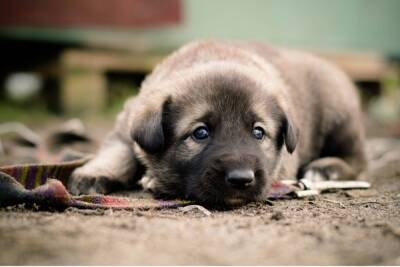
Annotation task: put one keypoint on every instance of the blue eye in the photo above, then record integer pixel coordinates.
(258, 133)
(200, 133)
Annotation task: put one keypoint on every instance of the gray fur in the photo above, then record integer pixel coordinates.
(309, 109)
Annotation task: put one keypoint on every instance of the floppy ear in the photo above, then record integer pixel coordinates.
(290, 134)
(149, 131)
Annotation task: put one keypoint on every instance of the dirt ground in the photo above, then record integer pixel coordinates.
(357, 227)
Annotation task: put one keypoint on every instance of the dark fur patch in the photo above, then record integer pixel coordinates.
(152, 132)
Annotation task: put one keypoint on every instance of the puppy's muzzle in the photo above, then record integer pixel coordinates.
(240, 178)
(238, 171)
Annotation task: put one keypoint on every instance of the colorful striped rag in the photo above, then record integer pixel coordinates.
(44, 185)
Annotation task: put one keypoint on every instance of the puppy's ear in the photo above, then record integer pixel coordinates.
(149, 131)
(289, 133)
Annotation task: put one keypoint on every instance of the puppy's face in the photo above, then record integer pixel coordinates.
(218, 142)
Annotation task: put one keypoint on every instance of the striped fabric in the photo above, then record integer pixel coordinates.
(34, 175)
(44, 185)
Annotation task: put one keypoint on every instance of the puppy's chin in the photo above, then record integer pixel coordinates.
(223, 199)
(219, 194)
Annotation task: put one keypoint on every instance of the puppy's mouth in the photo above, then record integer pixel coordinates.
(214, 191)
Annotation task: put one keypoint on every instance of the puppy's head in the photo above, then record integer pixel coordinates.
(217, 140)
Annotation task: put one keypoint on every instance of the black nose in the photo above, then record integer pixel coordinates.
(240, 178)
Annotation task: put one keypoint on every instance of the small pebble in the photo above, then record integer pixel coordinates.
(109, 212)
(277, 216)
(197, 208)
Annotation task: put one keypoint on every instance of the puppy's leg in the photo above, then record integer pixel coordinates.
(342, 156)
(329, 168)
(113, 168)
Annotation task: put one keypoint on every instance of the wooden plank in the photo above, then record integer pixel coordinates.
(83, 92)
(360, 66)
(103, 61)
(83, 80)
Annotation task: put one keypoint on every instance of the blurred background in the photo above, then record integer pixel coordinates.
(82, 58)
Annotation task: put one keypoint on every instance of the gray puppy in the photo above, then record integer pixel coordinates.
(218, 121)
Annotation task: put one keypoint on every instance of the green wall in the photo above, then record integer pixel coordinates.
(358, 25)
(335, 24)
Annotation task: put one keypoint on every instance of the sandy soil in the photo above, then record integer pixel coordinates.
(357, 227)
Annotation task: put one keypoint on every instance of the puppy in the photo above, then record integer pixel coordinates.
(217, 122)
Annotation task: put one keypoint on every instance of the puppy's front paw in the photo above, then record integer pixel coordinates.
(83, 184)
(329, 169)
(148, 184)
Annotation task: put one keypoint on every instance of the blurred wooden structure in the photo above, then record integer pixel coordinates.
(80, 74)
(83, 72)
(83, 75)
(360, 66)
(79, 71)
